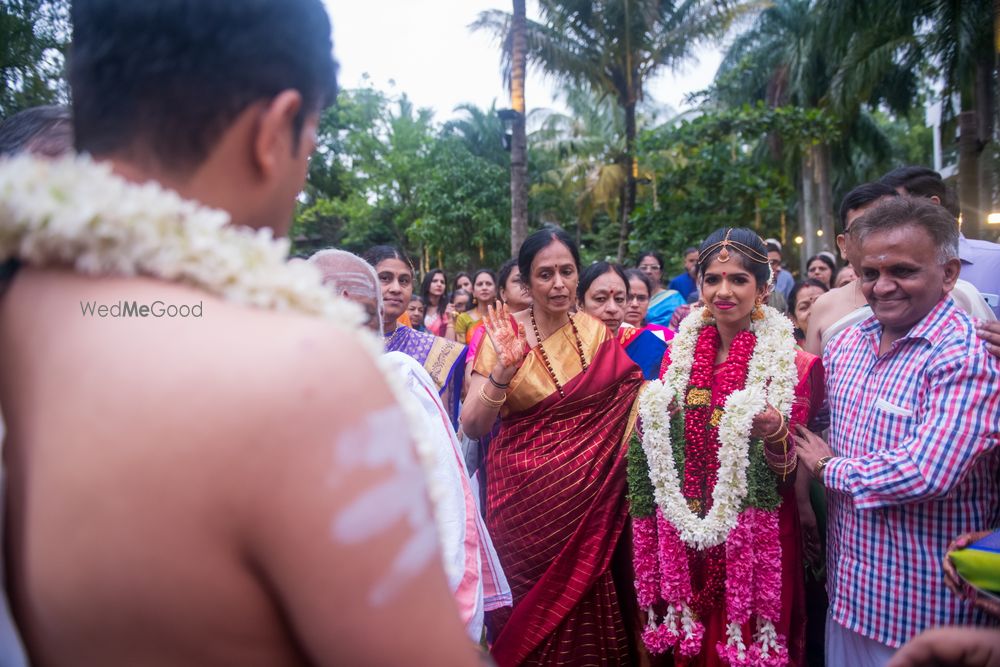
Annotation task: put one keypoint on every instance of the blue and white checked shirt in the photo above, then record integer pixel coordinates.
(916, 433)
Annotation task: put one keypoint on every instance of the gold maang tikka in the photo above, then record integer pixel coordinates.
(724, 255)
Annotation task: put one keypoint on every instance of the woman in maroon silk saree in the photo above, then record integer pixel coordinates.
(556, 504)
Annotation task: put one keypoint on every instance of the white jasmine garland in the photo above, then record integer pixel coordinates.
(771, 378)
(77, 213)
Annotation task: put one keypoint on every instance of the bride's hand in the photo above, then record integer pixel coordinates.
(766, 423)
(509, 344)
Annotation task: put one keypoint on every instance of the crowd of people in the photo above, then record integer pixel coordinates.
(339, 461)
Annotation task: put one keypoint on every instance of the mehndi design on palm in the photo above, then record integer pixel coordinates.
(509, 344)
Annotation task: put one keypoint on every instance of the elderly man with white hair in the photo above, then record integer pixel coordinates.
(471, 562)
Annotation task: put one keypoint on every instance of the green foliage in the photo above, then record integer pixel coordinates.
(34, 35)
(715, 171)
(383, 173)
(464, 202)
(640, 488)
(762, 483)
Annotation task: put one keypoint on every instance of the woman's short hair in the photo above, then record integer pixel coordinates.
(537, 242)
(595, 271)
(822, 257)
(639, 275)
(793, 296)
(650, 253)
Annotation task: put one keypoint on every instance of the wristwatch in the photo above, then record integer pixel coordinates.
(820, 465)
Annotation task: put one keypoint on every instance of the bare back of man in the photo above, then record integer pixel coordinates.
(208, 491)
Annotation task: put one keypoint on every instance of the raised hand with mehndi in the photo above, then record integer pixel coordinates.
(488, 392)
(510, 344)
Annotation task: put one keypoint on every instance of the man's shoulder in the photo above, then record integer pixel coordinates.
(955, 335)
(980, 246)
(831, 306)
(226, 352)
(679, 281)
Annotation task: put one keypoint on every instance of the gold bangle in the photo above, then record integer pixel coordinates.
(494, 403)
(781, 425)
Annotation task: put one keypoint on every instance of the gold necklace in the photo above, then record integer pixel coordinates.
(545, 356)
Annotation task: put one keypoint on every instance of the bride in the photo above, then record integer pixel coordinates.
(716, 537)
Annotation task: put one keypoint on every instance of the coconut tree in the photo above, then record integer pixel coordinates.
(614, 47)
(791, 56)
(519, 139)
(481, 130)
(954, 40)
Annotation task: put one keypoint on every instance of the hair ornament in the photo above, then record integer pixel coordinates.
(724, 256)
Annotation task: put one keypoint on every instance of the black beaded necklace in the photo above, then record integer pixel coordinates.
(545, 357)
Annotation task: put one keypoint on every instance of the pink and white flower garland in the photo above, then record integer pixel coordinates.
(750, 537)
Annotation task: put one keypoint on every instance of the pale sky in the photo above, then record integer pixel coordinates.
(426, 48)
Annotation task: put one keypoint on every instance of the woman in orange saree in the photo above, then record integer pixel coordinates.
(556, 505)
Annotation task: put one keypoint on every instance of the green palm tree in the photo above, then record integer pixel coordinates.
(481, 130)
(587, 145)
(519, 138)
(613, 47)
(791, 56)
(954, 42)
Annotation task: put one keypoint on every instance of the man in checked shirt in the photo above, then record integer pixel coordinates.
(914, 453)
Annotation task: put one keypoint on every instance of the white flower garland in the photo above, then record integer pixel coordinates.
(75, 212)
(771, 378)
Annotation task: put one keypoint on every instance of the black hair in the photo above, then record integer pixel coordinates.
(861, 196)
(503, 275)
(639, 275)
(460, 274)
(920, 181)
(916, 180)
(793, 296)
(654, 254)
(773, 247)
(689, 250)
(761, 271)
(167, 77)
(47, 130)
(826, 260)
(491, 274)
(537, 242)
(417, 297)
(425, 290)
(595, 271)
(902, 211)
(380, 253)
(470, 301)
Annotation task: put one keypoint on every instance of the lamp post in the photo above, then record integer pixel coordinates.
(507, 117)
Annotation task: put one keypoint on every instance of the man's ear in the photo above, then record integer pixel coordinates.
(952, 268)
(275, 138)
(842, 246)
